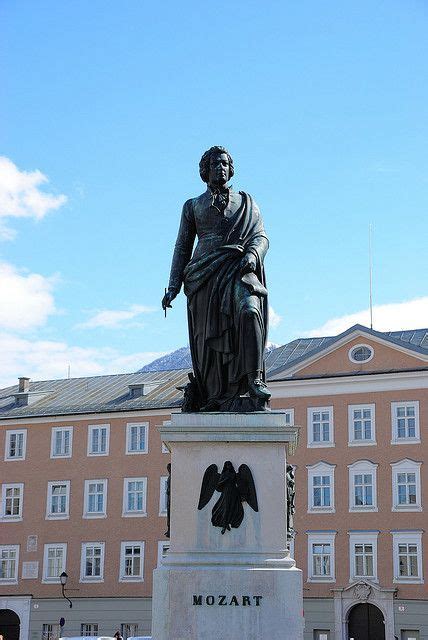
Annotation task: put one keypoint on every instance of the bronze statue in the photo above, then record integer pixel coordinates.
(224, 283)
(291, 507)
(168, 501)
(235, 488)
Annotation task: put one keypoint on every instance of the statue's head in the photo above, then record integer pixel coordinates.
(228, 466)
(216, 166)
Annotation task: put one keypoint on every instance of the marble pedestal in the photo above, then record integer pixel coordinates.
(242, 585)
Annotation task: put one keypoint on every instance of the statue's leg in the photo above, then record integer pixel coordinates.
(252, 334)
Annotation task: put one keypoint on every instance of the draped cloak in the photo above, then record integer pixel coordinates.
(218, 296)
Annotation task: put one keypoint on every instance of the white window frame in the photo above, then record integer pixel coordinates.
(16, 432)
(58, 516)
(320, 469)
(364, 442)
(321, 537)
(93, 632)
(51, 631)
(362, 467)
(56, 430)
(406, 466)
(5, 487)
(322, 443)
(289, 416)
(126, 513)
(394, 422)
(162, 545)
(122, 576)
(10, 547)
(162, 495)
(359, 346)
(55, 545)
(128, 450)
(83, 576)
(407, 537)
(362, 538)
(91, 429)
(95, 514)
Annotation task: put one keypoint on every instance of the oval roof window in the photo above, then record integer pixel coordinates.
(361, 353)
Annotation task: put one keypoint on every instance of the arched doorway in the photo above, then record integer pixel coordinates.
(366, 622)
(9, 624)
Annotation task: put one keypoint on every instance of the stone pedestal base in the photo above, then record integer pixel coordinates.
(240, 585)
(211, 603)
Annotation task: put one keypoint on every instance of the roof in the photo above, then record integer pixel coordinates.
(110, 393)
(97, 394)
(282, 358)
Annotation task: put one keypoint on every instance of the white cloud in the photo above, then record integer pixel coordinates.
(274, 318)
(396, 316)
(26, 299)
(114, 319)
(46, 360)
(22, 197)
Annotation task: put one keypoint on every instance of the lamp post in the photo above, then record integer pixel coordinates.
(63, 579)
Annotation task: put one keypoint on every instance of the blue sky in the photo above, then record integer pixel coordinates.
(107, 107)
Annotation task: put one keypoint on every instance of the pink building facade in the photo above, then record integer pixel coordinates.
(83, 491)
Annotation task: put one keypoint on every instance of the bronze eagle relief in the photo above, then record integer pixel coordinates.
(235, 488)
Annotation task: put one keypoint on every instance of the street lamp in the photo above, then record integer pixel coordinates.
(63, 579)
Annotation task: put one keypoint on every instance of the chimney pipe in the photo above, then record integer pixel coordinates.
(24, 384)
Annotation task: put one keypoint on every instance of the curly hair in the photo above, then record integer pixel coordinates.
(204, 164)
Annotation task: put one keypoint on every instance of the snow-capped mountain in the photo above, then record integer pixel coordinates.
(180, 359)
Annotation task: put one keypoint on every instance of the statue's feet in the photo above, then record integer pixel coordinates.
(258, 389)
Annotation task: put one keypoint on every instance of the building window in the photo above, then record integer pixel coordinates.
(363, 555)
(98, 439)
(92, 562)
(16, 442)
(360, 353)
(406, 486)
(362, 486)
(321, 487)
(136, 437)
(12, 501)
(58, 500)
(410, 634)
(163, 548)
(131, 561)
(321, 556)
(320, 427)
(407, 550)
(54, 561)
(162, 496)
(405, 422)
(89, 629)
(129, 630)
(321, 634)
(134, 497)
(361, 424)
(62, 442)
(50, 631)
(9, 558)
(95, 501)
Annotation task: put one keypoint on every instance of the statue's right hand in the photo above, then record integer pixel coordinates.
(168, 298)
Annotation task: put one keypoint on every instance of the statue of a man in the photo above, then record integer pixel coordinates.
(224, 283)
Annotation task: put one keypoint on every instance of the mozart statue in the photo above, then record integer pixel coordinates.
(224, 283)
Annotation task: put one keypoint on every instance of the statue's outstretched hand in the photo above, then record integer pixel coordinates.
(168, 298)
(248, 263)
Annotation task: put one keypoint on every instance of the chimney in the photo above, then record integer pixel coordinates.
(24, 385)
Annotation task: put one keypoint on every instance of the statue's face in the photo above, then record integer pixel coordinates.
(219, 169)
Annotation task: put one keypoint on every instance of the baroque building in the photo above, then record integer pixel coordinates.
(83, 477)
